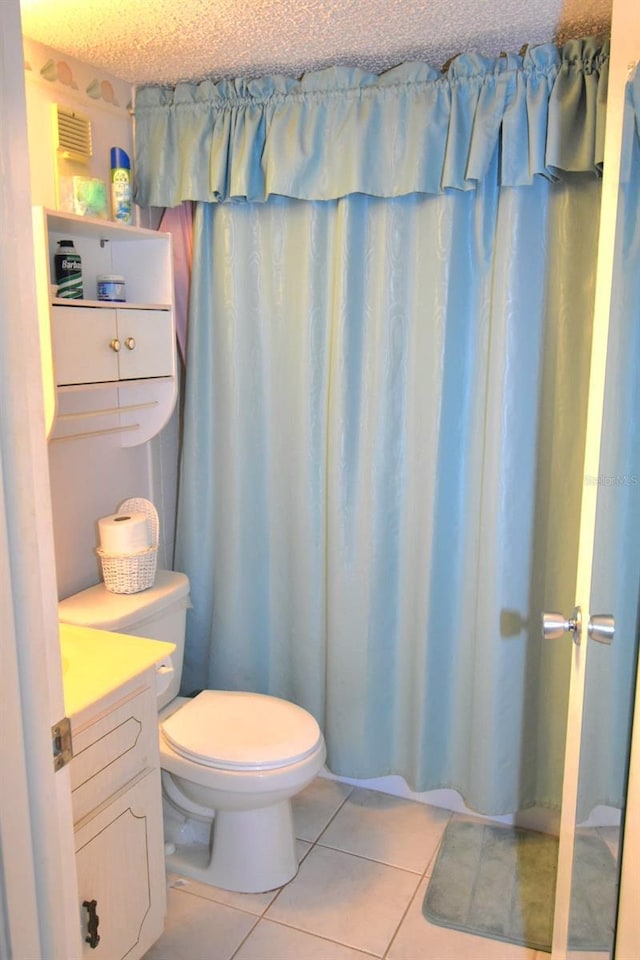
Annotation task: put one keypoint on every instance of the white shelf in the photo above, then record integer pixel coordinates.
(108, 304)
(93, 227)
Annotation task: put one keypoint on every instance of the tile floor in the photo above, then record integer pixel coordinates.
(365, 859)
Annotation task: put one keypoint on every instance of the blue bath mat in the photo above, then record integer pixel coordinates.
(499, 882)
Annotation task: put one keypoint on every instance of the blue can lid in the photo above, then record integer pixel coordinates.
(119, 159)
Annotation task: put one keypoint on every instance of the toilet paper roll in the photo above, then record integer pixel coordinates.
(123, 533)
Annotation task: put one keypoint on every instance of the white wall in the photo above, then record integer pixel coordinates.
(90, 477)
(53, 78)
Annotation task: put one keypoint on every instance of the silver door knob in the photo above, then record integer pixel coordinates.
(602, 627)
(115, 344)
(130, 343)
(555, 625)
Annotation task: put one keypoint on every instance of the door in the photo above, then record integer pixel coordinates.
(598, 509)
(121, 873)
(146, 338)
(37, 866)
(83, 341)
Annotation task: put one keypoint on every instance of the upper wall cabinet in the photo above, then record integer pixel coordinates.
(108, 368)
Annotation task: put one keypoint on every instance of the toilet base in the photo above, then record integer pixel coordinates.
(251, 851)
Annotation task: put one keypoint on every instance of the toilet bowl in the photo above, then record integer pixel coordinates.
(231, 761)
(248, 779)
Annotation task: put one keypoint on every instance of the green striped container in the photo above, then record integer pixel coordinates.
(68, 269)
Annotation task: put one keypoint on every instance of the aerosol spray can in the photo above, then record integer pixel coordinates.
(121, 198)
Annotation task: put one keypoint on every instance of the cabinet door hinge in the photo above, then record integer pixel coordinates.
(61, 743)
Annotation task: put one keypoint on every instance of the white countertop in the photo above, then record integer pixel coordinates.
(95, 663)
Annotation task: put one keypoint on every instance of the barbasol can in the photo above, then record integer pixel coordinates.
(68, 270)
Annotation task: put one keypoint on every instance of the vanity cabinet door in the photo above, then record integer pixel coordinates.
(120, 867)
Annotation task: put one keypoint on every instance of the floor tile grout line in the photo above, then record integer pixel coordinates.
(403, 917)
(434, 855)
(318, 936)
(222, 903)
(415, 893)
(348, 797)
(419, 877)
(244, 939)
(332, 818)
(382, 863)
(313, 844)
(285, 885)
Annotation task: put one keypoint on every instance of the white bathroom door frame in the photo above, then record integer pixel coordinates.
(38, 914)
(625, 52)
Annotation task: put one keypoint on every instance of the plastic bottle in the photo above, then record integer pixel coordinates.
(68, 270)
(121, 199)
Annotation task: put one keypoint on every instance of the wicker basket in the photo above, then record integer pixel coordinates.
(133, 572)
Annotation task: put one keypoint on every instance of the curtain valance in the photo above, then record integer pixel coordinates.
(341, 130)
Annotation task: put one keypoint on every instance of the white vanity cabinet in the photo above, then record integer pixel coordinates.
(108, 368)
(116, 799)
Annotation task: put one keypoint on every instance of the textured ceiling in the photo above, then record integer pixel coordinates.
(164, 41)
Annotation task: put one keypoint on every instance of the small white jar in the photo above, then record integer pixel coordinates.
(111, 287)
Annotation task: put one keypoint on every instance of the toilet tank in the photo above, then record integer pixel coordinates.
(158, 613)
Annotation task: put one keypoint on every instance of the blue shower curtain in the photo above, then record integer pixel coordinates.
(386, 389)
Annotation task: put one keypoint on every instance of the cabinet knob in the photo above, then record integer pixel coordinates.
(115, 344)
(130, 343)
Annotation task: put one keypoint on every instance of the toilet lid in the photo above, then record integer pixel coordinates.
(234, 730)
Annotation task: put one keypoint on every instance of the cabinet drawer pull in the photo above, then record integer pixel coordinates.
(93, 937)
(130, 343)
(115, 344)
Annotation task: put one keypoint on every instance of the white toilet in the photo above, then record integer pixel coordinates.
(230, 761)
